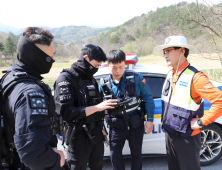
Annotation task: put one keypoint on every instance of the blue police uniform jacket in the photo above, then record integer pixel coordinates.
(32, 126)
(142, 89)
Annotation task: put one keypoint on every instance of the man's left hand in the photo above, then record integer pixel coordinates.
(104, 132)
(194, 124)
(148, 127)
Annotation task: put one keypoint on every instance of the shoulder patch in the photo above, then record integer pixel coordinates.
(143, 81)
(37, 103)
(65, 97)
(207, 86)
(63, 83)
(36, 94)
(64, 90)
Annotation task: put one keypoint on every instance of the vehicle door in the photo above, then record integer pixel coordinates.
(154, 143)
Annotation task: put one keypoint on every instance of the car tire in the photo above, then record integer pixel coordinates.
(211, 144)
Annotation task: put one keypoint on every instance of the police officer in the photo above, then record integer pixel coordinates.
(29, 107)
(80, 104)
(182, 105)
(128, 124)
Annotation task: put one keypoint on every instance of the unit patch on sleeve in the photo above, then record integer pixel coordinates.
(64, 97)
(64, 90)
(143, 81)
(207, 86)
(63, 83)
(37, 103)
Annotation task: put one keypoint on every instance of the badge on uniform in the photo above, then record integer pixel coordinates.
(63, 83)
(91, 90)
(37, 103)
(182, 83)
(64, 91)
(143, 81)
(64, 97)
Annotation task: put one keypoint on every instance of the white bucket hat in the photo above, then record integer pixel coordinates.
(174, 41)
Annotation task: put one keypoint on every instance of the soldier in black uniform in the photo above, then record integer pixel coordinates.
(80, 104)
(29, 107)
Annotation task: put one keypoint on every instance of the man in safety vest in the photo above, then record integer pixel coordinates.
(182, 105)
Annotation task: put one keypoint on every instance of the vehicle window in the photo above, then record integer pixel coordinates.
(155, 84)
(99, 77)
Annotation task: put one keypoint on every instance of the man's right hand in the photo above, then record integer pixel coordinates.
(62, 156)
(107, 104)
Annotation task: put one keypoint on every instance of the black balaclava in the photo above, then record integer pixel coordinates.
(84, 68)
(32, 59)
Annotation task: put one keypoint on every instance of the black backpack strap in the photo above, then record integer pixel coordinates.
(74, 74)
(76, 78)
(130, 87)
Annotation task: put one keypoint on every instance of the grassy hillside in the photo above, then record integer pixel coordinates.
(75, 34)
(141, 34)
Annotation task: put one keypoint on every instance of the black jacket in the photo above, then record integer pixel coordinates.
(27, 108)
(70, 101)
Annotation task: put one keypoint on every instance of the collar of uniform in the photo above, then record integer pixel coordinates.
(122, 78)
(181, 68)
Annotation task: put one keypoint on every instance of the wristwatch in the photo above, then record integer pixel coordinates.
(199, 122)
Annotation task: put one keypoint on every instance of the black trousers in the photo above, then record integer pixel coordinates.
(183, 153)
(117, 140)
(81, 153)
(15, 165)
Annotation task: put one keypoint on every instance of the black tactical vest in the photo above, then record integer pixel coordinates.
(129, 92)
(88, 95)
(7, 83)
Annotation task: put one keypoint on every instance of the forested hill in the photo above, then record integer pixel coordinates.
(141, 34)
(75, 34)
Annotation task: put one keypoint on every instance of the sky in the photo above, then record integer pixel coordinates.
(58, 13)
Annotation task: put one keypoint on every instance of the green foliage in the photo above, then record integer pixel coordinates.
(50, 82)
(114, 39)
(75, 34)
(3, 36)
(129, 37)
(137, 33)
(10, 46)
(213, 74)
(2, 64)
(1, 46)
(122, 30)
(141, 34)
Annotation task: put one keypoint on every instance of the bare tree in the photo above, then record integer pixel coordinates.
(208, 15)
